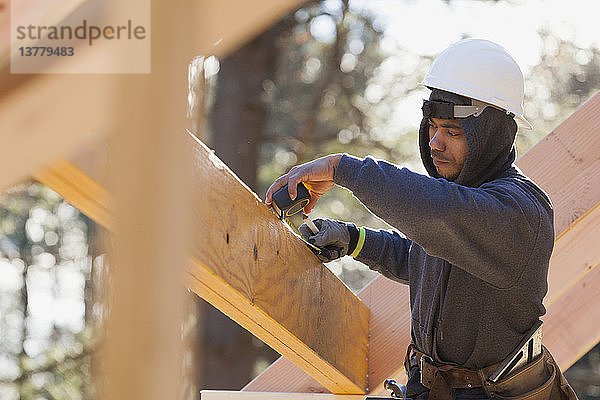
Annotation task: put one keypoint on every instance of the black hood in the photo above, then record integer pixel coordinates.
(490, 137)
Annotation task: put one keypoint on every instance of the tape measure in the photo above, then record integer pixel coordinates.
(284, 206)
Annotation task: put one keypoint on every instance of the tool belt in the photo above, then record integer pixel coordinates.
(541, 379)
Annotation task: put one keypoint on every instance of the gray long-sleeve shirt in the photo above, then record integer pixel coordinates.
(475, 256)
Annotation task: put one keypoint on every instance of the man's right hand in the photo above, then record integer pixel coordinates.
(317, 175)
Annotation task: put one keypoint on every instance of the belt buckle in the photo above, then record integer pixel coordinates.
(421, 366)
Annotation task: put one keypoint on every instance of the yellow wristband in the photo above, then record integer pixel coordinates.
(361, 241)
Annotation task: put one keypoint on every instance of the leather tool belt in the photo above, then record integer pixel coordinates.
(442, 380)
(539, 380)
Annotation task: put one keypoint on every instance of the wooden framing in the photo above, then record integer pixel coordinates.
(570, 169)
(39, 125)
(284, 376)
(233, 395)
(390, 325)
(247, 264)
(80, 190)
(59, 125)
(572, 323)
(255, 294)
(298, 307)
(142, 348)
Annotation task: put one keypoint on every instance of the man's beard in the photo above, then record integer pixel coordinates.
(439, 156)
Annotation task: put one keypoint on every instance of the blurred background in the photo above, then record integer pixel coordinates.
(333, 76)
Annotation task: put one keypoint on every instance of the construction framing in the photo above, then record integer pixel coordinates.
(242, 259)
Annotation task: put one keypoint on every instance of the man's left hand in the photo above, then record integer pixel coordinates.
(317, 175)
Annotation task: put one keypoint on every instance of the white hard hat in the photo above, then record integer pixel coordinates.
(481, 70)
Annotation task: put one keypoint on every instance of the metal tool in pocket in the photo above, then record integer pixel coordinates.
(526, 351)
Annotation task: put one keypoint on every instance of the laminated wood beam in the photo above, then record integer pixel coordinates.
(565, 164)
(232, 395)
(249, 265)
(572, 323)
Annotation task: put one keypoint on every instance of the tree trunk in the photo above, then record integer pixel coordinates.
(239, 113)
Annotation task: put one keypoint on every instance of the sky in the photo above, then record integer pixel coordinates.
(428, 26)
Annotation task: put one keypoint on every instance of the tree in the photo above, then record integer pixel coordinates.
(47, 262)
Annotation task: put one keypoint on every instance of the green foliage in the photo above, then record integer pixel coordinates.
(566, 76)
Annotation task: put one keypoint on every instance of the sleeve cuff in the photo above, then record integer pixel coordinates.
(346, 170)
(360, 243)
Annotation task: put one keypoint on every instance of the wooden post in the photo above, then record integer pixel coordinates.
(143, 348)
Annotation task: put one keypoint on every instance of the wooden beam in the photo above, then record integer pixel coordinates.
(247, 263)
(142, 349)
(390, 335)
(45, 117)
(231, 25)
(232, 395)
(565, 164)
(48, 117)
(576, 253)
(83, 192)
(572, 323)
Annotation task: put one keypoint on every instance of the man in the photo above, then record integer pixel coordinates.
(476, 235)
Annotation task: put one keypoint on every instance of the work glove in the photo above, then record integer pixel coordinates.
(333, 238)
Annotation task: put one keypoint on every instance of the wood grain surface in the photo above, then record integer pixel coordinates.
(83, 192)
(244, 253)
(51, 116)
(572, 323)
(141, 350)
(566, 164)
(233, 395)
(293, 301)
(389, 337)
